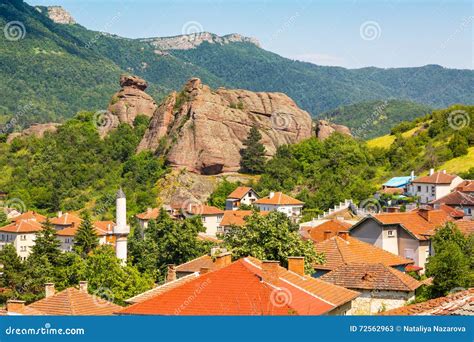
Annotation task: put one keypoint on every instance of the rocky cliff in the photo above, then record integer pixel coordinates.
(37, 130)
(130, 101)
(57, 14)
(202, 130)
(325, 128)
(193, 40)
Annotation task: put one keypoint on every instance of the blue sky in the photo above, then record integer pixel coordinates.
(353, 34)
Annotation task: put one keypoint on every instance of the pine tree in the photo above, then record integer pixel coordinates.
(253, 155)
(86, 238)
(47, 244)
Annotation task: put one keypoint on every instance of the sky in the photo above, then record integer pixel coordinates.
(351, 34)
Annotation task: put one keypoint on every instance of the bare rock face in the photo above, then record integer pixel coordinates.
(324, 129)
(37, 130)
(57, 14)
(131, 101)
(202, 130)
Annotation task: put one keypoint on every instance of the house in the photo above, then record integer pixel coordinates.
(458, 200)
(21, 234)
(235, 218)
(466, 186)
(406, 234)
(321, 230)
(400, 183)
(69, 302)
(455, 304)
(434, 186)
(29, 216)
(103, 229)
(342, 249)
(249, 286)
(381, 287)
(242, 195)
(145, 217)
(278, 201)
(211, 217)
(65, 220)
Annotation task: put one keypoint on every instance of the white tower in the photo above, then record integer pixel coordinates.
(121, 229)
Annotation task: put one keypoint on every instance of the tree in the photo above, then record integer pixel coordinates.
(13, 272)
(219, 196)
(458, 145)
(253, 155)
(451, 265)
(86, 238)
(271, 237)
(47, 244)
(3, 218)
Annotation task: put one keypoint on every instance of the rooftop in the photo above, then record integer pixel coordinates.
(237, 217)
(239, 192)
(150, 214)
(339, 251)
(396, 182)
(324, 230)
(439, 177)
(466, 186)
(22, 226)
(278, 198)
(456, 198)
(30, 215)
(66, 219)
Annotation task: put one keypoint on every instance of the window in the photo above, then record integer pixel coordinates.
(23, 237)
(409, 253)
(203, 219)
(418, 188)
(391, 233)
(22, 248)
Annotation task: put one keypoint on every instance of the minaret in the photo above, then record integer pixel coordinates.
(121, 229)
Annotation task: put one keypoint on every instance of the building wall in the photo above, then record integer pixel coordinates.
(372, 302)
(211, 222)
(430, 192)
(22, 242)
(342, 310)
(390, 239)
(408, 246)
(369, 231)
(424, 251)
(288, 210)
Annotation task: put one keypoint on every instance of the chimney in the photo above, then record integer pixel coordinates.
(171, 273)
(14, 305)
(431, 171)
(412, 175)
(49, 289)
(223, 259)
(327, 234)
(60, 213)
(343, 234)
(83, 286)
(204, 270)
(270, 272)
(444, 171)
(271, 195)
(296, 265)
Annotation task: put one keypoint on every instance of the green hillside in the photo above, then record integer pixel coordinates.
(57, 70)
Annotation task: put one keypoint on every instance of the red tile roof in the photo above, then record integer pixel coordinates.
(196, 264)
(66, 219)
(30, 215)
(317, 233)
(72, 301)
(466, 186)
(455, 198)
(460, 303)
(239, 192)
(23, 226)
(436, 178)
(279, 198)
(454, 213)
(102, 228)
(339, 251)
(237, 217)
(364, 276)
(150, 214)
(238, 289)
(205, 210)
(465, 226)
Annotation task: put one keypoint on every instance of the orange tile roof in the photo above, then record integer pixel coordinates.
(466, 186)
(238, 290)
(460, 303)
(205, 210)
(102, 228)
(30, 215)
(239, 192)
(204, 237)
(66, 219)
(365, 276)
(317, 233)
(452, 211)
(72, 301)
(339, 251)
(23, 226)
(279, 198)
(162, 288)
(196, 264)
(419, 223)
(237, 217)
(436, 178)
(465, 226)
(150, 214)
(456, 198)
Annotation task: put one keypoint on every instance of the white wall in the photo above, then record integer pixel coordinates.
(211, 222)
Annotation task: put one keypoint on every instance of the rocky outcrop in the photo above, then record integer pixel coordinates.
(37, 130)
(131, 101)
(202, 130)
(324, 129)
(193, 40)
(57, 14)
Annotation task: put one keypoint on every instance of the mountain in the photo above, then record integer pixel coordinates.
(58, 68)
(370, 119)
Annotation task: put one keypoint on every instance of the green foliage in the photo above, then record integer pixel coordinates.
(3, 218)
(86, 238)
(166, 241)
(46, 244)
(458, 145)
(452, 264)
(253, 154)
(271, 237)
(219, 195)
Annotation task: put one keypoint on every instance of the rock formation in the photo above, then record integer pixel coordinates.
(202, 130)
(57, 14)
(37, 130)
(131, 101)
(324, 129)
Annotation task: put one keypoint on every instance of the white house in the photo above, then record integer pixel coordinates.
(434, 186)
(241, 195)
(278, 201)
(21, 234)
(211, 217)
